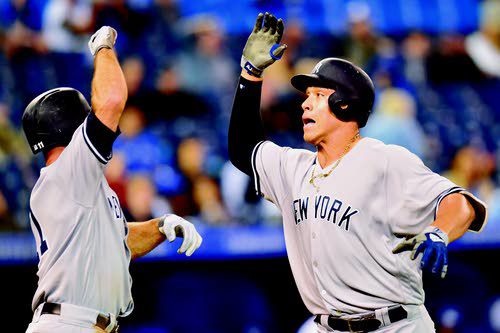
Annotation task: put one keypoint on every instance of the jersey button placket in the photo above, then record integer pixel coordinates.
(315, 265)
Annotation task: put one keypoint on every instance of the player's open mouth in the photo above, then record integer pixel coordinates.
(308, 122)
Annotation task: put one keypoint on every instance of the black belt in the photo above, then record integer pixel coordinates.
(102, 321)
(366, 324)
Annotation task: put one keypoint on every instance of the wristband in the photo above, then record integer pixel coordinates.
(440, 233)
(251, 69)
(161, 223)
(102, 47)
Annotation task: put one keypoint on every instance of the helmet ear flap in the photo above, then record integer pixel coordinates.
(347, 109)
(338, 105)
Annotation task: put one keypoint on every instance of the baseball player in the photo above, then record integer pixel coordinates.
(361, 218)
(84, 243)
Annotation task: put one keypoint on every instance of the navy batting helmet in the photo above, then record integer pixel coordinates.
(353, 88)
(51, 118)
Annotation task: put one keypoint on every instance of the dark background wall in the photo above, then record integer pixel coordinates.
(254, 295)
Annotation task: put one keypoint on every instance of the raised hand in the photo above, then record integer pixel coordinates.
(263, 46)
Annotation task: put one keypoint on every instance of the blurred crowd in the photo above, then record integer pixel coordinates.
(436, 95)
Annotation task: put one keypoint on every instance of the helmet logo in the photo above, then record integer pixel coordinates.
(38, 145)
(316, 68)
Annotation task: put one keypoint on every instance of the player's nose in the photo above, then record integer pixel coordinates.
(306, 105)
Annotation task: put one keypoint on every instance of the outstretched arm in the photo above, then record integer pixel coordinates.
(143, 237)
(109, 90)
(245, 128)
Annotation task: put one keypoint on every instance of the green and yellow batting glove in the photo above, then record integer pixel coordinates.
(263, 46)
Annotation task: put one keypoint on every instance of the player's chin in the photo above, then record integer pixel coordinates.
(310, 137)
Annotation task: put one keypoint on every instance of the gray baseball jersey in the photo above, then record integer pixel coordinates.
(80, 229)
(340, 238)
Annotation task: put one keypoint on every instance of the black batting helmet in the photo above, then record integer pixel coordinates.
(353, 87)
(51, 118)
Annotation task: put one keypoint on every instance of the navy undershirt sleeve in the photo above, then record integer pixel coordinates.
(245, 128)
(99, 138)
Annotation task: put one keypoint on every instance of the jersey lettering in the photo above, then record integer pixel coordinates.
(347, 217)
(302, 209)
(114, 204)
(325, 208)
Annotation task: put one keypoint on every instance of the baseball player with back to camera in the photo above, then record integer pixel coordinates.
(361, 218)
(84, 243)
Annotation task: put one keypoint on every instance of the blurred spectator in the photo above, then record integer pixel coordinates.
(483, 46)
(201, 195)
(142, 150)
(20, 22)
(142, 202)
(207, 197)
(14, 174)
(12, 142)
(160, 40)
(472, 168)
(145, 152)
(66, 27)
(6, 219)
(115, 174)
(24, 48)
(132, 20)
(393, 121)
(388, 61)
(206, 68)
(169, 101)
(243, 205)
(415, 50)
(67, 24)
(361, 45)
(191, 156)
(134, 72)
(447, 57)
(236, 190)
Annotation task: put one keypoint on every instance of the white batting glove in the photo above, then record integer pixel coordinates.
(104, 37)
(173, 226)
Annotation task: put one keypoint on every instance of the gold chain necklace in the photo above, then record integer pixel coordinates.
(324, 175)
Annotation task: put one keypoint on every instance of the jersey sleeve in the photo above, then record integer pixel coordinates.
(79, 169)
(414, 193)
(268, 164)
